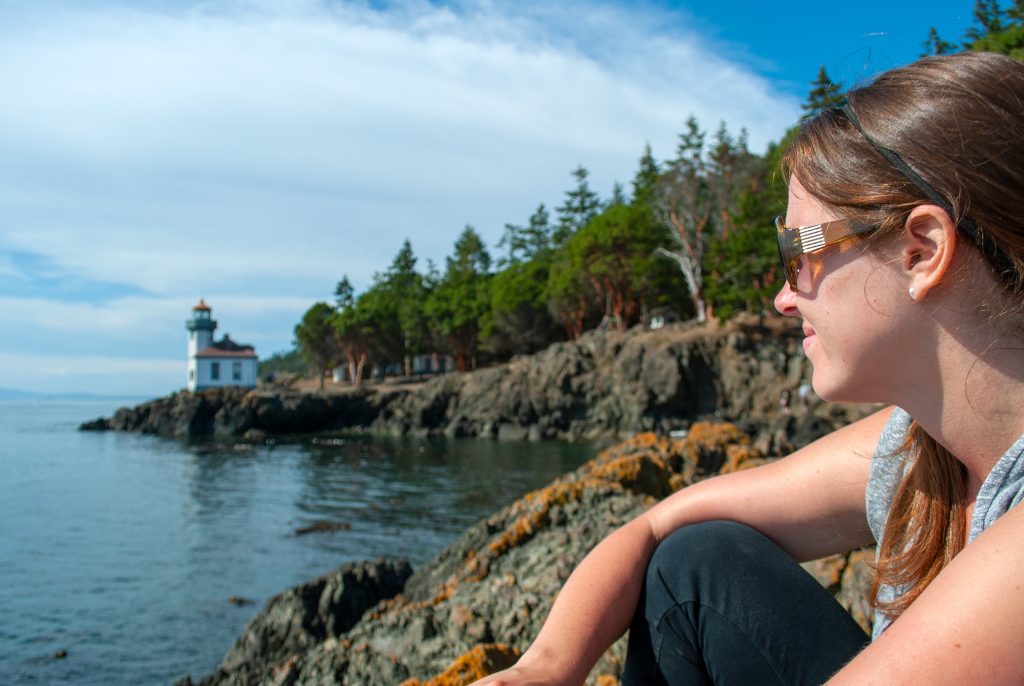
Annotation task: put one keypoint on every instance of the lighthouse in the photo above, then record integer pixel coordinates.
(200, 328)
(216, 363)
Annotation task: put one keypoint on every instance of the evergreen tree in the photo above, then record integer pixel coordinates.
(618, 196)
(405, 289)
(989, 19)
(460, 304)
(933, 45)
(646, 177)
(521, 321)
(523, 243)
(824, 94)
(344, 294)
(997, 30)
(581, 204)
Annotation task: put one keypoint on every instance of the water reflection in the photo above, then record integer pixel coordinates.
(115, 546)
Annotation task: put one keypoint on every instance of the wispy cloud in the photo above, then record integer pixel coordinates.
(266, 148)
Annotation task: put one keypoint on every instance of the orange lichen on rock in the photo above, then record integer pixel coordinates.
(606, 680)
(739, 457)
(707, 443)
(644, 473)
(482, 660)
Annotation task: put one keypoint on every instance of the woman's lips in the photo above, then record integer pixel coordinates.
(809, 337)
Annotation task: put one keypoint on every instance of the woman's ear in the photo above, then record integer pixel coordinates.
(928, 247)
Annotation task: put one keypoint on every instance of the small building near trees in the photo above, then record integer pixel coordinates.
(213, 364)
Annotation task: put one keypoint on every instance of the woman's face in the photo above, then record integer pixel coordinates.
(847, 300)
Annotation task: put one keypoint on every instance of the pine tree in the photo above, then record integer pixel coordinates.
(989, 19)
(618, 196)
(997, 30)
(646, 177)
(933, 45)
(581, 205)
(823, 95)
(526, 242)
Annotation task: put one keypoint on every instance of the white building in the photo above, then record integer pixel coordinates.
(217, 363)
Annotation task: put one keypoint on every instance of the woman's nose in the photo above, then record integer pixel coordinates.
(785, 301)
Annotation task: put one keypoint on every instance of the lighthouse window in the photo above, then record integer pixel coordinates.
(215, 370)
(191, 374)
(236, 371)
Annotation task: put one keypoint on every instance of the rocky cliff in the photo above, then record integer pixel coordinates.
(479, 604)
(604, 385)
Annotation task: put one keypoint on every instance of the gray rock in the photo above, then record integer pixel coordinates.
(303, 617)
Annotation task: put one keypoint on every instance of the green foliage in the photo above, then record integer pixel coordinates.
(459, 305)
(524, 243)
(994, 30)
(741, 269)
(824, 94)
(934, 45)
(609, 271)
(581, 205)
(315, 338)
(289, 362)
(520, 318)
(646, 177)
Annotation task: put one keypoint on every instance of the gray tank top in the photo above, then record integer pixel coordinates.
(1001, 490)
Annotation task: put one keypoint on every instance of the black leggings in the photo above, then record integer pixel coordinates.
(722, 604)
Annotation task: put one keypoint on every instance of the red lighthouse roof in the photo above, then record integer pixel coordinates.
(201, 307)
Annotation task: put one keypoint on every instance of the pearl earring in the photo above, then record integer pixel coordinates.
(913, 293)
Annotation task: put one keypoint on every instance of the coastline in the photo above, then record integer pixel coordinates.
(480, 602)
(603, 387)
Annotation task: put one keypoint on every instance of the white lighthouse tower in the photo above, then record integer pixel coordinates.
(221, 363)
(200, 328)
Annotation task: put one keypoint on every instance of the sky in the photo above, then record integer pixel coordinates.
(253, 152)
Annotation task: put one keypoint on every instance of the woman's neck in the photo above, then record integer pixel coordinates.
(973, 404)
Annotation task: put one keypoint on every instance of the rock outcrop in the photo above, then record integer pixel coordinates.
(605, 385)
(476, 606)
(304, 617)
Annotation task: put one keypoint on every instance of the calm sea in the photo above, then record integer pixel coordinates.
(123, 549)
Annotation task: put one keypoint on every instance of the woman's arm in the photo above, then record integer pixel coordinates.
(967, 627)
(811, 503)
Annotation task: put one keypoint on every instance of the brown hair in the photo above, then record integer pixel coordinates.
(958, 122)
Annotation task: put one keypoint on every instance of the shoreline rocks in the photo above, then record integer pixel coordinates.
(607, 385)
(482, 600)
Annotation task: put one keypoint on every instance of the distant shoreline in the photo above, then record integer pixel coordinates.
(19, 394)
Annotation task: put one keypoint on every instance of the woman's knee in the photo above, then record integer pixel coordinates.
(707, 547)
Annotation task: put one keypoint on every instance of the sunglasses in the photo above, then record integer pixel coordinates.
(803, 240)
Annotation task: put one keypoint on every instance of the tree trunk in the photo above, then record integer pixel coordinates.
(359, 370)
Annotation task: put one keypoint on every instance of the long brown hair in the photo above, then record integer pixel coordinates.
(958, 122)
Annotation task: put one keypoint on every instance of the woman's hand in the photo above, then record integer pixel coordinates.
(516, 676)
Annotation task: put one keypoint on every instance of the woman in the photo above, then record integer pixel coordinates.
(904, 263)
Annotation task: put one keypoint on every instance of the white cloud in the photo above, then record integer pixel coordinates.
(267, 148)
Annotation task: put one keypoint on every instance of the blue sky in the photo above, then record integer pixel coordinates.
(251, 152)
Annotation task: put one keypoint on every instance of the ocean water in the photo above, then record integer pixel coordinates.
(122, 550)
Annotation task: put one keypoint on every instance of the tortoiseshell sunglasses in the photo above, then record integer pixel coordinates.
(803, 240)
